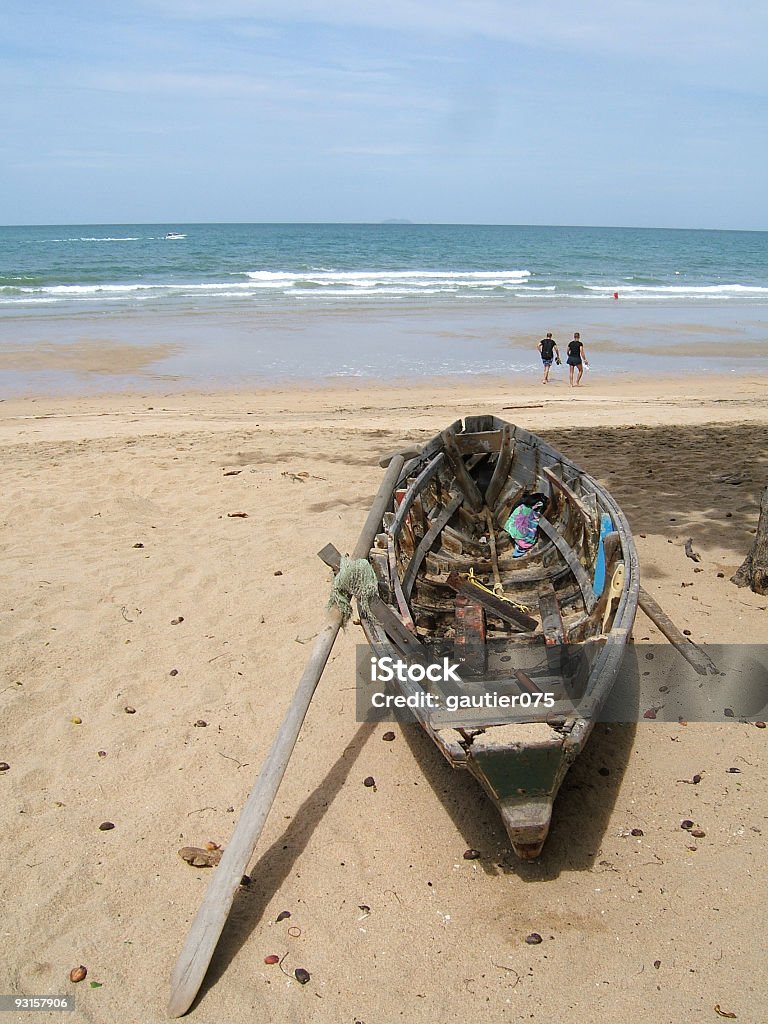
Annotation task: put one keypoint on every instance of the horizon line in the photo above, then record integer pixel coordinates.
(390, 222)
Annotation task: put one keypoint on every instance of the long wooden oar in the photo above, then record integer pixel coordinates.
(692, 653)
(208, 925)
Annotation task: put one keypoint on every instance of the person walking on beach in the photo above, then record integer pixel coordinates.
(548, 350)
(577, 359)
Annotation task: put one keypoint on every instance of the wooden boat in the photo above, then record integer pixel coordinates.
(552, 622)
(546, 629)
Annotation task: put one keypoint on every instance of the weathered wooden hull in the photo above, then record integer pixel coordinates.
(444, 532)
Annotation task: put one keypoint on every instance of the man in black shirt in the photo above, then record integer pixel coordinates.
(577, 359)
(548, 350)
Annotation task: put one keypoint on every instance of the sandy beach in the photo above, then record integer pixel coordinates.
(161, 593)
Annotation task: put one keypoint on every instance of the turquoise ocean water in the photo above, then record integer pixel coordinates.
(235, 303)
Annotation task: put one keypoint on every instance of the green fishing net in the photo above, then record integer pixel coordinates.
(357, 579)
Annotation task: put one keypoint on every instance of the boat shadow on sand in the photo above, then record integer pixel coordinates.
(275, 865)
(582, 813)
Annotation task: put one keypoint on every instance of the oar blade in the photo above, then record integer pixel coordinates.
(205, 932)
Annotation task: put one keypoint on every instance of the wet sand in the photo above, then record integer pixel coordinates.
(213, 350)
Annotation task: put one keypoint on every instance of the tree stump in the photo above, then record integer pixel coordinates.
(753, 572)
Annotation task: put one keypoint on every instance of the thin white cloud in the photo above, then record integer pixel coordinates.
(706, 43)
(388, 152)
(70, 159)
(656, 27)
(189, 84)
(305, 86)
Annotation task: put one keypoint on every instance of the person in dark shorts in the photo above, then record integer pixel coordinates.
(577, 359)
(549, 352)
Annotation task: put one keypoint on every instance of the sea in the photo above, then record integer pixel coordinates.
(229, 305)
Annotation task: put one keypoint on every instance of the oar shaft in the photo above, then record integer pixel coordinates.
(209, 922)
(692, 653)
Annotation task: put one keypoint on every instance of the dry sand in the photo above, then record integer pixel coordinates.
(118, 523)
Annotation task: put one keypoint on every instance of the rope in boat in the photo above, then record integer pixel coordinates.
(357, 579)
(471, 578)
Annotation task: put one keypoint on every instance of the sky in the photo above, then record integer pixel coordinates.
(648, 113)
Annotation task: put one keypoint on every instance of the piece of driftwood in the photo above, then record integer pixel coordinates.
(206, 929)
(690, 552)
(753, 571)
(692, 653)
(200, 858)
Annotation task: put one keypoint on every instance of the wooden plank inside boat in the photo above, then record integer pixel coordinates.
(551, 616)
(572, 559)
(467, 485)
(496, 718)
(501, 469)
(407, 498)
(483, 441)
(504, 609)
(427, 541)
(469, 648)
(481, 424)
(590, 517)
(394, 579)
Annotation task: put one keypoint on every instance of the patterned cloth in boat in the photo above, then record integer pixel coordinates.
(523, 523)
